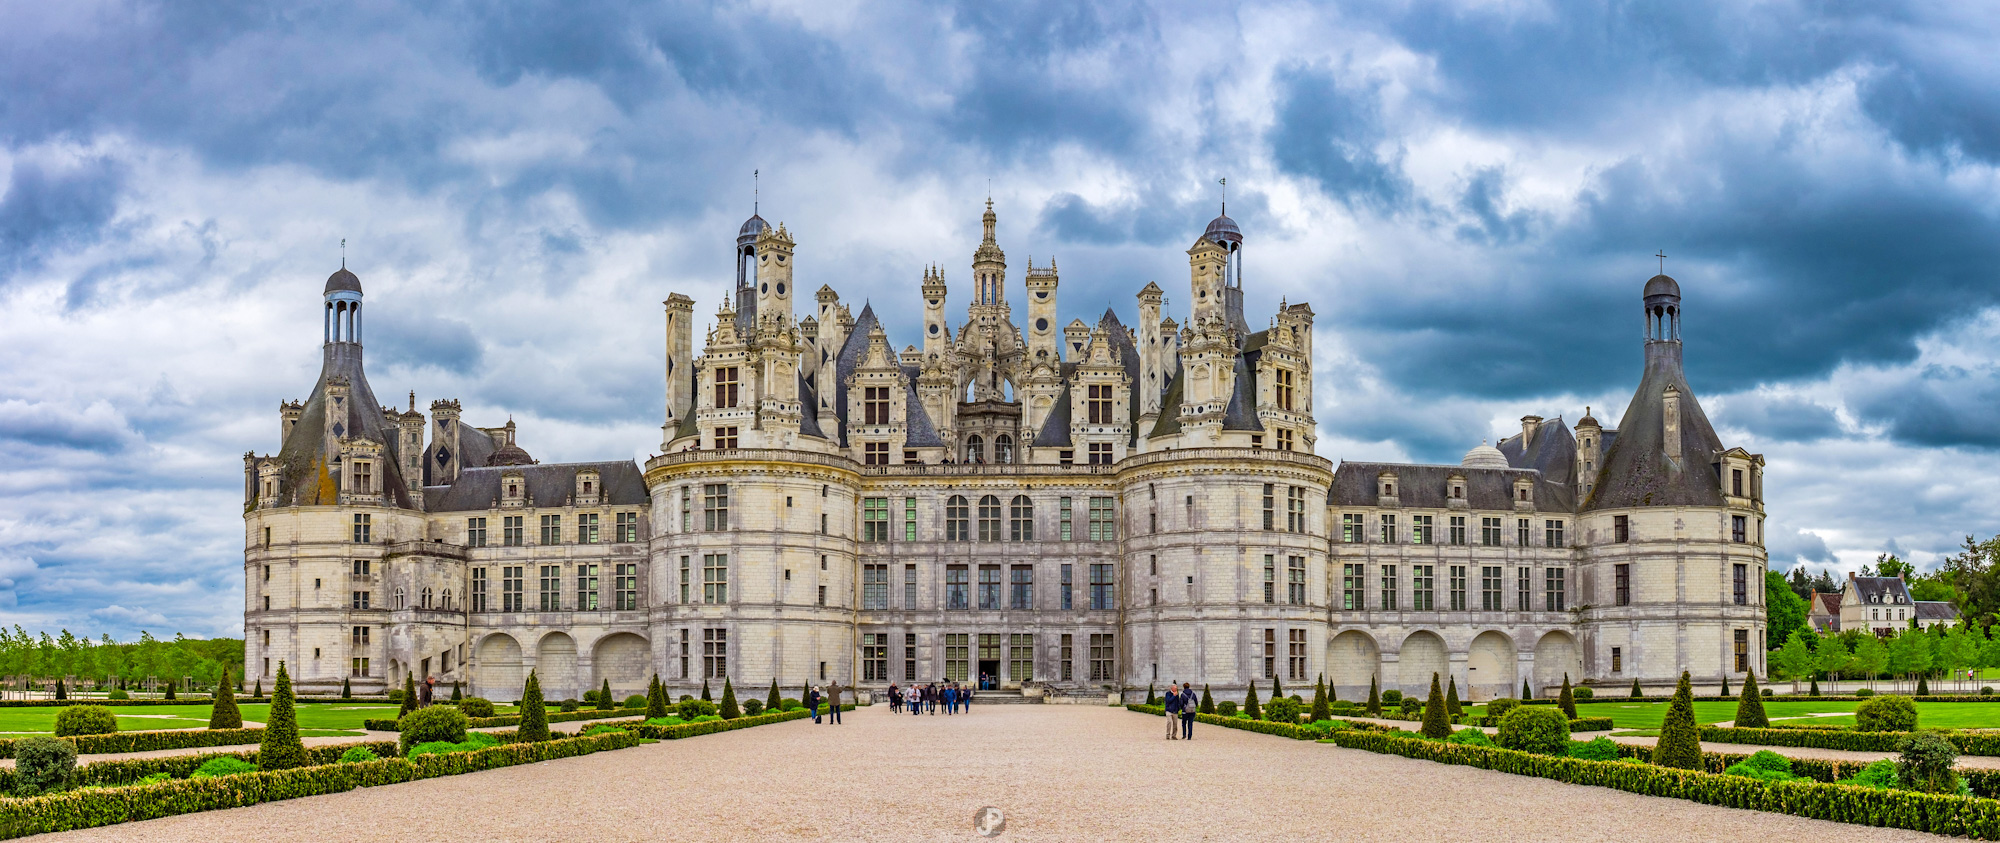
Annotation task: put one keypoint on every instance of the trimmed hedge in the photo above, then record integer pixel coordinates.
(148, 741)
(1302, 732)
(512, 719)
(1968, 743)
(92, 808)
(1932, 813)
(709, 727)
(1941, 698)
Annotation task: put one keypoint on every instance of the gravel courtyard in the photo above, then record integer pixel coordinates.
(1058, 772)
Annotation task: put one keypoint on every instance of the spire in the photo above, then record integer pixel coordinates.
(988, 219)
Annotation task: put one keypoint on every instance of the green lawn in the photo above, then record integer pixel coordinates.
(314, 719)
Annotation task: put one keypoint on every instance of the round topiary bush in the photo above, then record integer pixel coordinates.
(1498, 709)
(1582, 693)
(753, 707)
(1282, 710)
(635, 701)
(476, 707)
(1890, 713)
(1767, 692)
(570, 705)
(789, 704)
(436, 723)
(1865, 692)
(1539, 729)
(691, 709)
(85, 720)
(119, 694)
(1226, 708)
(1927, 763)
(395, 695)
(42, 764)
(1986, 691)
(1392, 696)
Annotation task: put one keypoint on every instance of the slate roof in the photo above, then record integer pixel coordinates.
(1552, 451)
(475, 448)
(918, 429)
(809, 410)
(303, 454)
(1636, 471)
(1428, 487)
(1879, 591)
(1936, 610)
(852, 351)
(1169, 422)
(548, 485)
(1055, 428)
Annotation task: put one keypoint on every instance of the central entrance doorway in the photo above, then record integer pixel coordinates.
(989, 674)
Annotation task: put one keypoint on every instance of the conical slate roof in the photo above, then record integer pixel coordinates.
(1636, 469)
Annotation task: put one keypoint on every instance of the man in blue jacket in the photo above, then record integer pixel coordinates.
(1173, 703)
(1188, 706)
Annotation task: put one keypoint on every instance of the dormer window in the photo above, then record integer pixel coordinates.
(587, 487)
(1457, 492)
(364, 477)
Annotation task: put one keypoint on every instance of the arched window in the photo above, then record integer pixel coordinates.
(975, 449)
(989, 519)
(425, 597)
(399, 597)
(446, 604)
(1003, 449)
(1021, 522)
(957, 524)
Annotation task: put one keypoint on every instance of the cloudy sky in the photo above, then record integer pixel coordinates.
(1469, 194)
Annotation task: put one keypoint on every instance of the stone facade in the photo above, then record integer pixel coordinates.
(1067, 511)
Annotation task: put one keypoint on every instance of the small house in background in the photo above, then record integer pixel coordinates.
(1881, 605)
(1823, 612)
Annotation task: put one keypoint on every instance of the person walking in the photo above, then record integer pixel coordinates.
(950, 699)
(812, 702)
(424, 692)
(1188, 710)
(833, 703)
(1173, 706)
(895, 699)
(965, 701)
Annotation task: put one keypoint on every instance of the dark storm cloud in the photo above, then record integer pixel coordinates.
(1778, 418)
(1940, 406)
(1328, 130)
(402, 338)
(50, 207)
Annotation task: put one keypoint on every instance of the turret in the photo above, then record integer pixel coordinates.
(1589, 453)
(679, 364)
(989, 274)
(447, 458)
(1042, 342)
(937, 334)
(1208, 267)
(747, 270)
(774, 280)
(410, 448)
(289, 413)
(1152, 379)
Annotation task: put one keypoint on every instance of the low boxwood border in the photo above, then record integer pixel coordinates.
(149, 741)
(515, 719)
(202, 700)
(1303, 733)
(128, 770)
(1621, 698)
(76, 809)
(689, 730)
(1967, 743)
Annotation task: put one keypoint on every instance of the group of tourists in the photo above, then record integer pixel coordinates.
(829, 697)
(1181, 705)
(919, 699)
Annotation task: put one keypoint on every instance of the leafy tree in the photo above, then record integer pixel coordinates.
(281, 749)
(1975, 576)
(1680, 737)
(1871, 657)
(1784, 610)
(1909, 653)
(1794, 660)
(1374, 697)
(1437, 723)
(1250, 703)
(1750, 707)
(534, 716)
(224, 714)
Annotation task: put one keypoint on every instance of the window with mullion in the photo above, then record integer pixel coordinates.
(551, 588)
(1423, 588)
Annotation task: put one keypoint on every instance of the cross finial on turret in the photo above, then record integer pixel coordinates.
(756, 190)
(1663, 261)
(343, 253)
(1225, 195)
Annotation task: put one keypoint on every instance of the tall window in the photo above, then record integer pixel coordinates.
(1423, 587)
(686, 580)
(1742, 650)
(1067, 656)
(551, 588)
(1102, 527)
(1102, 595)
(909, 657)
(1353, 528)
(586, 588)
(715, 578)
(1281, 387)
(1554, 600)
(363, 528)
(909, 519)
(957, 519)
(1100, 453)
(628, 527)
(1021, 587)
(1489, 588)
(957, 652)
(1270, 506)
(1523, 531)
(551, 529)
(1067, 602)
(1421, 530)
(714, 653)
(725, 386)
(1285, 440)
(1738, 529)
(364, 478)
(1388, 589)
(1741, 576)
(511, 530)
(910, 587)
(1102, 654)
(510, 589)
(627, 586)
(1020, 657)
(1295, 657)
(989, 586)
(1552, 533)
(1003, 449)
(475, 532)
(1458, 529)
(874, 519)
(1489, 532)
(687, 518)
(989, 518)
(1350, 587)
(715, 506)
(1100, 405)
(1457, 573)
(586, 528)
(1736, 482)
(874, 586)
(1525, 588)
(1270, 653)
(874, 453)
(478, 590)
(1621, 528)
(1270, 578)
(975, 449)
(875, 656)
(875, 405)
(684, 655)
(1617, 659)
(1021, 520)
(1063, 519)
(956, 587)
(1621, 577)
(1295, 509)
(1295, 580)
(1388, 529)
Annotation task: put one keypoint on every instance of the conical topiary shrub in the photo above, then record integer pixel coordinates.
(1277, 688)
(1374, 697)
(62, 693)
(224, 714)
(773, 704)
(409, 695)
(1321, 709)
(604, 700)
(456, 693)
(1207, 702)
(1725, 685)
(1636, 693)
(534, 717)
(1250, 705)
(1750, 708)
(170, 689)
(1814, 690)
(1566, 701)
(1151, 697)
(1527, 693)
(656, 698)
(259, 692)
(1680, 738)
(281, 749)
(1437, 724)
(729, 710)
(704, 692)
(1451, 706)
(346, 690)
(1923, 686)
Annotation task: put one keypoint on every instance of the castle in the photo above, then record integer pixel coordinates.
(1070, 510)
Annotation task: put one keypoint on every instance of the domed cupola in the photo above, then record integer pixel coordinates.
(1484, 456)
(1223, 230)
(752, 227)
(342, 320)
(343, 281)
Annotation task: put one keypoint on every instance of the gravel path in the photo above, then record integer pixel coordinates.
(1059, 772)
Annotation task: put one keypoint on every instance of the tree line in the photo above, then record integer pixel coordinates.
(1904, 659)
(31, 664)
